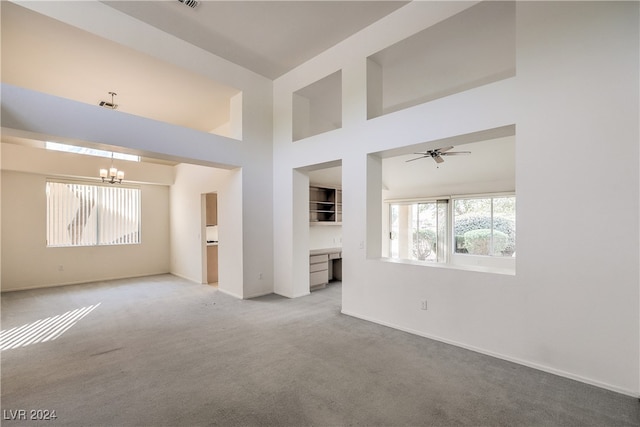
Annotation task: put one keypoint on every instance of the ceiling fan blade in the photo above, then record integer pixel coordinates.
(455, 153)
(417, 158)
(443, 149)
(438, 159)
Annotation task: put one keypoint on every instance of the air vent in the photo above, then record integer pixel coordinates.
(191, 3)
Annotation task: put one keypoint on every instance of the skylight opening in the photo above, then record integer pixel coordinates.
(56, 146)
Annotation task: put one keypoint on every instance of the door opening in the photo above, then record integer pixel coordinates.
(211, 232)
(325, 226)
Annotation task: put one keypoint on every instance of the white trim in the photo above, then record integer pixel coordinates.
(88, 282)
(89, 151)
(416, 200)
(302, 295)
(519, 361)
(114, 213)
(483, 263)
(451, 196)
(189, 279)
(483, 195)
(450, 266)
(224, 291)
(91, 181)
(258, 295)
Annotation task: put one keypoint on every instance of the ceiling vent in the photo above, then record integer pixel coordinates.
(191, 3)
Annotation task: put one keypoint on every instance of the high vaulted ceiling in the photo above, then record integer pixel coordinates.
(268, 37)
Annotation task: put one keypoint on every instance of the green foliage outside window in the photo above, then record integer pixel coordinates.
(424, 242)
(478, 242)
(472, 222)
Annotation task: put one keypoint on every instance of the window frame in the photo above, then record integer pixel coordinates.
(441, 241)
(99, 242)
(452, 258)
(491, 196)
(88, 151)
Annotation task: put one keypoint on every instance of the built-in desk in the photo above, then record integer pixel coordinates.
(324, 265)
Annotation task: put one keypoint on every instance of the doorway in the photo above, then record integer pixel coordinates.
(325, 226)
(211, 233)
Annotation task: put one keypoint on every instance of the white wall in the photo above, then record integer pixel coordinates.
(573, 306)
(28, 263)
(325, 236)
(188, 248)
(0, 221)
(28, 112)
(57, 163)
(470, 49)
(578, 212)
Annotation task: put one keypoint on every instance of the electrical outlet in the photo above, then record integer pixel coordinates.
(61, 268)
(423, 304)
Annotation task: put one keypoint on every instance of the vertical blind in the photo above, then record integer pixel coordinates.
(86, 215)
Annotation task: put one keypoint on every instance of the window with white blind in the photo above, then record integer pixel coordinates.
(89, 215)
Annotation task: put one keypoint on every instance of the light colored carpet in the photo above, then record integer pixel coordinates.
(164, 351)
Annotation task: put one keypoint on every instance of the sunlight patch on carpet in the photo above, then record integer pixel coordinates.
(42, 330)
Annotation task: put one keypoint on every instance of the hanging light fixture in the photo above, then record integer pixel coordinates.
(106, 104)
(112, 175)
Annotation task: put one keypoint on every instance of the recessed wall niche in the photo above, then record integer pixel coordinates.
(317, 108)
(470, 49)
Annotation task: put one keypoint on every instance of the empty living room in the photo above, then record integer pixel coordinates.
(330, 213)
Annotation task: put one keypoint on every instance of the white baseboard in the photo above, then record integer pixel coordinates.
(519, 361)
(189, 279)
(83, 282)
(232, 294)
(257, 295)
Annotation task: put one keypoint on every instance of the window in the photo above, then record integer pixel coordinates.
(480, 226)
(56, 146)
(418, 230)
(88, 215)
(485, 226)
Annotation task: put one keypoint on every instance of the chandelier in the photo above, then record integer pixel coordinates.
(112, 175)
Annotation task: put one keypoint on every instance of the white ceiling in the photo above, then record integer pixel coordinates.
(489, 168)
(329, 177)
(268, 37)
(48, 56)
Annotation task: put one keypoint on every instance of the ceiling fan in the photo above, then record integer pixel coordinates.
(437, 154)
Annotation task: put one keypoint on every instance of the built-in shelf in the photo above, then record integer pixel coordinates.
(325, 205)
